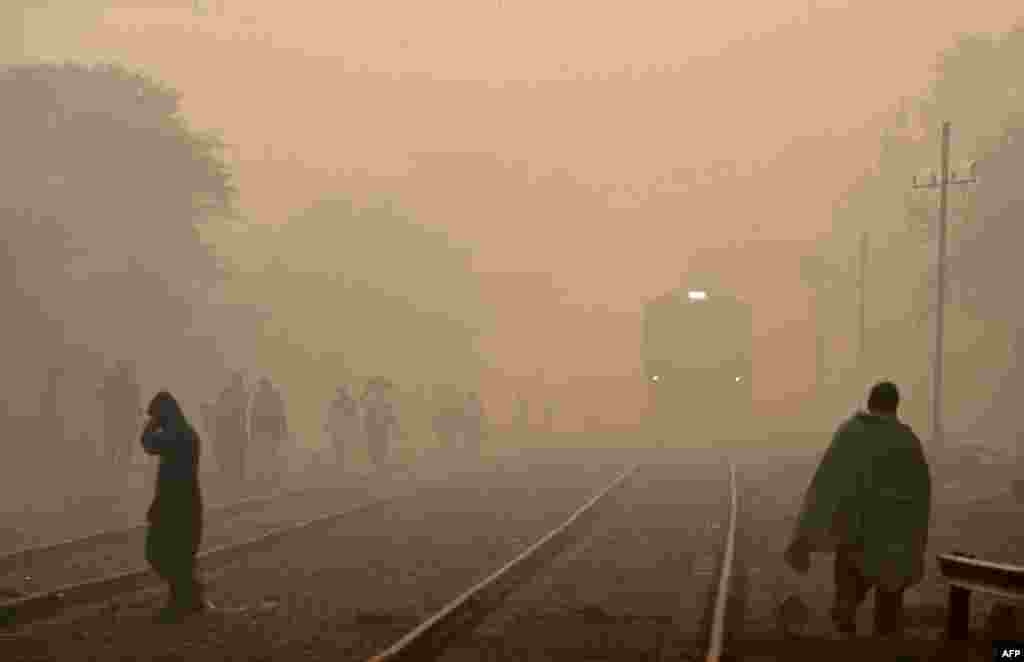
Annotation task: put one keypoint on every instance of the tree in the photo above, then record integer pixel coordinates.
(105, 184)
(979, 87)
(356, 291)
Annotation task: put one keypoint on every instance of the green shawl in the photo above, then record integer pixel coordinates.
(872, 494)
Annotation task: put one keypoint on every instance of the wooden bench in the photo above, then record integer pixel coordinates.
(966, 574)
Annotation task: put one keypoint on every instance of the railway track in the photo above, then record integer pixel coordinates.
(21, 558)
(349, 586)
(651, 578)
(101, 566)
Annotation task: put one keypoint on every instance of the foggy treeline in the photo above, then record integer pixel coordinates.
(979, 88)
(122, 241)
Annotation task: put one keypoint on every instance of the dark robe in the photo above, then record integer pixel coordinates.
(176, 514)
(872, 493)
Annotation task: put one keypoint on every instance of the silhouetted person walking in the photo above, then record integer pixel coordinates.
(446, 422)
(122, 402)
(208, 418)
(51, 424)
(176, 514)
(472, 423)
(869, 503)
(380, 420)
(268, 429)
(549, 417)
(231, 439)
(343, 423)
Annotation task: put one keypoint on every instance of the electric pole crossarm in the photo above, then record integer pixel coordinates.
(930, 181)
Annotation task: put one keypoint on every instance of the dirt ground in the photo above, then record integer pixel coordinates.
(342, 594)
(973, 513)
(638, 587)
(629, 591)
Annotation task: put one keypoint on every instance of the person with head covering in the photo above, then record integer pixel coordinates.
(176, 515)
(380, 421)
(121, 396)
(869, 503)
(268, 428)
(231, 438)
(343, 423)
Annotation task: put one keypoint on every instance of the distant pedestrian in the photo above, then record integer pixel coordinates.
(473, 424)
(447, 418)
(231, 439)
(268, 430)
(51, 423)
(869, 503)
(176, 514)
(343, 426)
(549, 416)
(380, 421)
(121, 396)
(522, 415)
(208, 419)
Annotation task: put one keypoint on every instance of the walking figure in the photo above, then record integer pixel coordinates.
(473, 424)
(176, 515)
(869, 503)
(268, 429)
(231, 439)
(51, 423)
(121, 396)
(447, 419)
(380, 422)
(343, 423)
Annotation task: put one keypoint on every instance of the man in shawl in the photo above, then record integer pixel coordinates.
(869, 503)
(343, 423)
(176, 514)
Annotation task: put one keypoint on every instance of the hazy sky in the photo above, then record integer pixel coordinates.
(585, 127)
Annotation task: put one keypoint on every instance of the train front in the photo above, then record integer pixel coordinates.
(697, 362)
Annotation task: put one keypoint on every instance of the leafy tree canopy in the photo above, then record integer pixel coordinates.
(104, 184)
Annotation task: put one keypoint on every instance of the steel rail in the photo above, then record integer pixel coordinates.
(10, 561)
(715, 643)
(47, 604)
(419, 643)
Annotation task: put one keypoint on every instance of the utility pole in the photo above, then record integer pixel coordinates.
(862, 277)
(944, 180)
(815, 273)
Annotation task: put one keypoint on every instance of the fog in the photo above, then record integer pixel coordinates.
(481, 196)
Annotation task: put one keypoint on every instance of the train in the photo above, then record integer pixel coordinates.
(697, 363)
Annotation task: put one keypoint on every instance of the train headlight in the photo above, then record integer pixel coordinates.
(656, 378)
(697, 295)
(739, 379)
